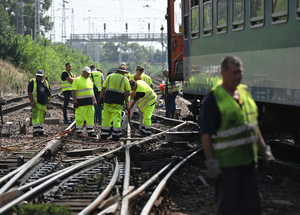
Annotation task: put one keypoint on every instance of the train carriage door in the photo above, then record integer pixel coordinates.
(175, 40)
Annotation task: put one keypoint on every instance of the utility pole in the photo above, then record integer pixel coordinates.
(52, 37)
(162, 46)
(20, 19)
(63, 22)
(72, 28)
(37, 20)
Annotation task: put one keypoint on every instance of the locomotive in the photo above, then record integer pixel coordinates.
(265, 34)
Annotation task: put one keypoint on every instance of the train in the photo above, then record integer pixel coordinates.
(265, 34)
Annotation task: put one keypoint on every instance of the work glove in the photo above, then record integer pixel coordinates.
(75, 105)
(214, 173)
(101, 103)
(266, 154)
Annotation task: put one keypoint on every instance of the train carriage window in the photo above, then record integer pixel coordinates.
(195, 18)
(238, 15)
(207, 18)
(279, 11)
(298, 10)
(257, 13)
(186, 19)
(221, 16)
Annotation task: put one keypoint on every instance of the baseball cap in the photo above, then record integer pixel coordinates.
(40, 73)
(87, 69)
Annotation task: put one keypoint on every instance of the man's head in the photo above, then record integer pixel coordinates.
(92, 67)
(232, 71)
(123, 64)
(68, 67)
(40, 75)
(165, 73)
(133, 84)
(122, 70)
(86, 71)
(139, 70)
(110, 72)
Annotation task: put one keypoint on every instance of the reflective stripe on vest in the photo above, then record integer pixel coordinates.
(114, 93)
(235, 141)
(149, 98)
(66, 85)
(175, 89)
(97, 79)
(147, 79)
(34, 92)
(85, 90)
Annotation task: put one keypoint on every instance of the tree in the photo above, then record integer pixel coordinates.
(4, 22)
(29, 13)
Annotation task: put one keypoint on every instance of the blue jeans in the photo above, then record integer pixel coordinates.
(67, 96)
(170, 104)
(98, 111)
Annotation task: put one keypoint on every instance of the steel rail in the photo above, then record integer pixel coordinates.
(16, 175)
(147, 209)
(42, 186)
(90, 208)
(150, 181)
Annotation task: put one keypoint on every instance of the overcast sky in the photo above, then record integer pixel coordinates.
(115, 13)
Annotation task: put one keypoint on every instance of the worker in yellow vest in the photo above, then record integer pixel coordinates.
(231, 140)
(139, 75)
(172, 90)
(39, 93)
(67, 78)
(114, 92)
(84, 100)
(145, 97)
(97, 79)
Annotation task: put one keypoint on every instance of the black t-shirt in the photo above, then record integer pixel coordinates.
(139, 95)
(42, 95)
(65, 75)
(210, 116)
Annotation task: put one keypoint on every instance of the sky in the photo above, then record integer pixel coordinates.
(115, 13)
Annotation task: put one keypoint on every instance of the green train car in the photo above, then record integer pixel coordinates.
(265, 34)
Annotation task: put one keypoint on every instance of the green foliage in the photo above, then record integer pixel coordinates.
(47, 209)
(30, 56)
(4, 22)
(28, 11)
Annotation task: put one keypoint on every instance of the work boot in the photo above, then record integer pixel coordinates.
(35, 134)
(92, 134)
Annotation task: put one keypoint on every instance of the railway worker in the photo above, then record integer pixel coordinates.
(84, 100)
(67, 78)
(97, 79)
(139, 75)
(231, 139)
(124, 64)
(39, 93)
(172, 90)
(145, 97)
(114, 92)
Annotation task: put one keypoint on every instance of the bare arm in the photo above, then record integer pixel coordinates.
(32, 104)
(102, 93)
(261, 141)
(70, 80)
(131, 105)
(127, 93)
(74, 95)
(207, 145)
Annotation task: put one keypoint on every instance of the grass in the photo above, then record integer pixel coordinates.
(47, 209)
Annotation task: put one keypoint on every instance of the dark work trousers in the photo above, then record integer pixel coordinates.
(238, 193)
(170, 104)
(67, 96)
(98, 111)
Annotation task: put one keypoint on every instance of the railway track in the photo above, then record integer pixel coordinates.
(160, 174)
